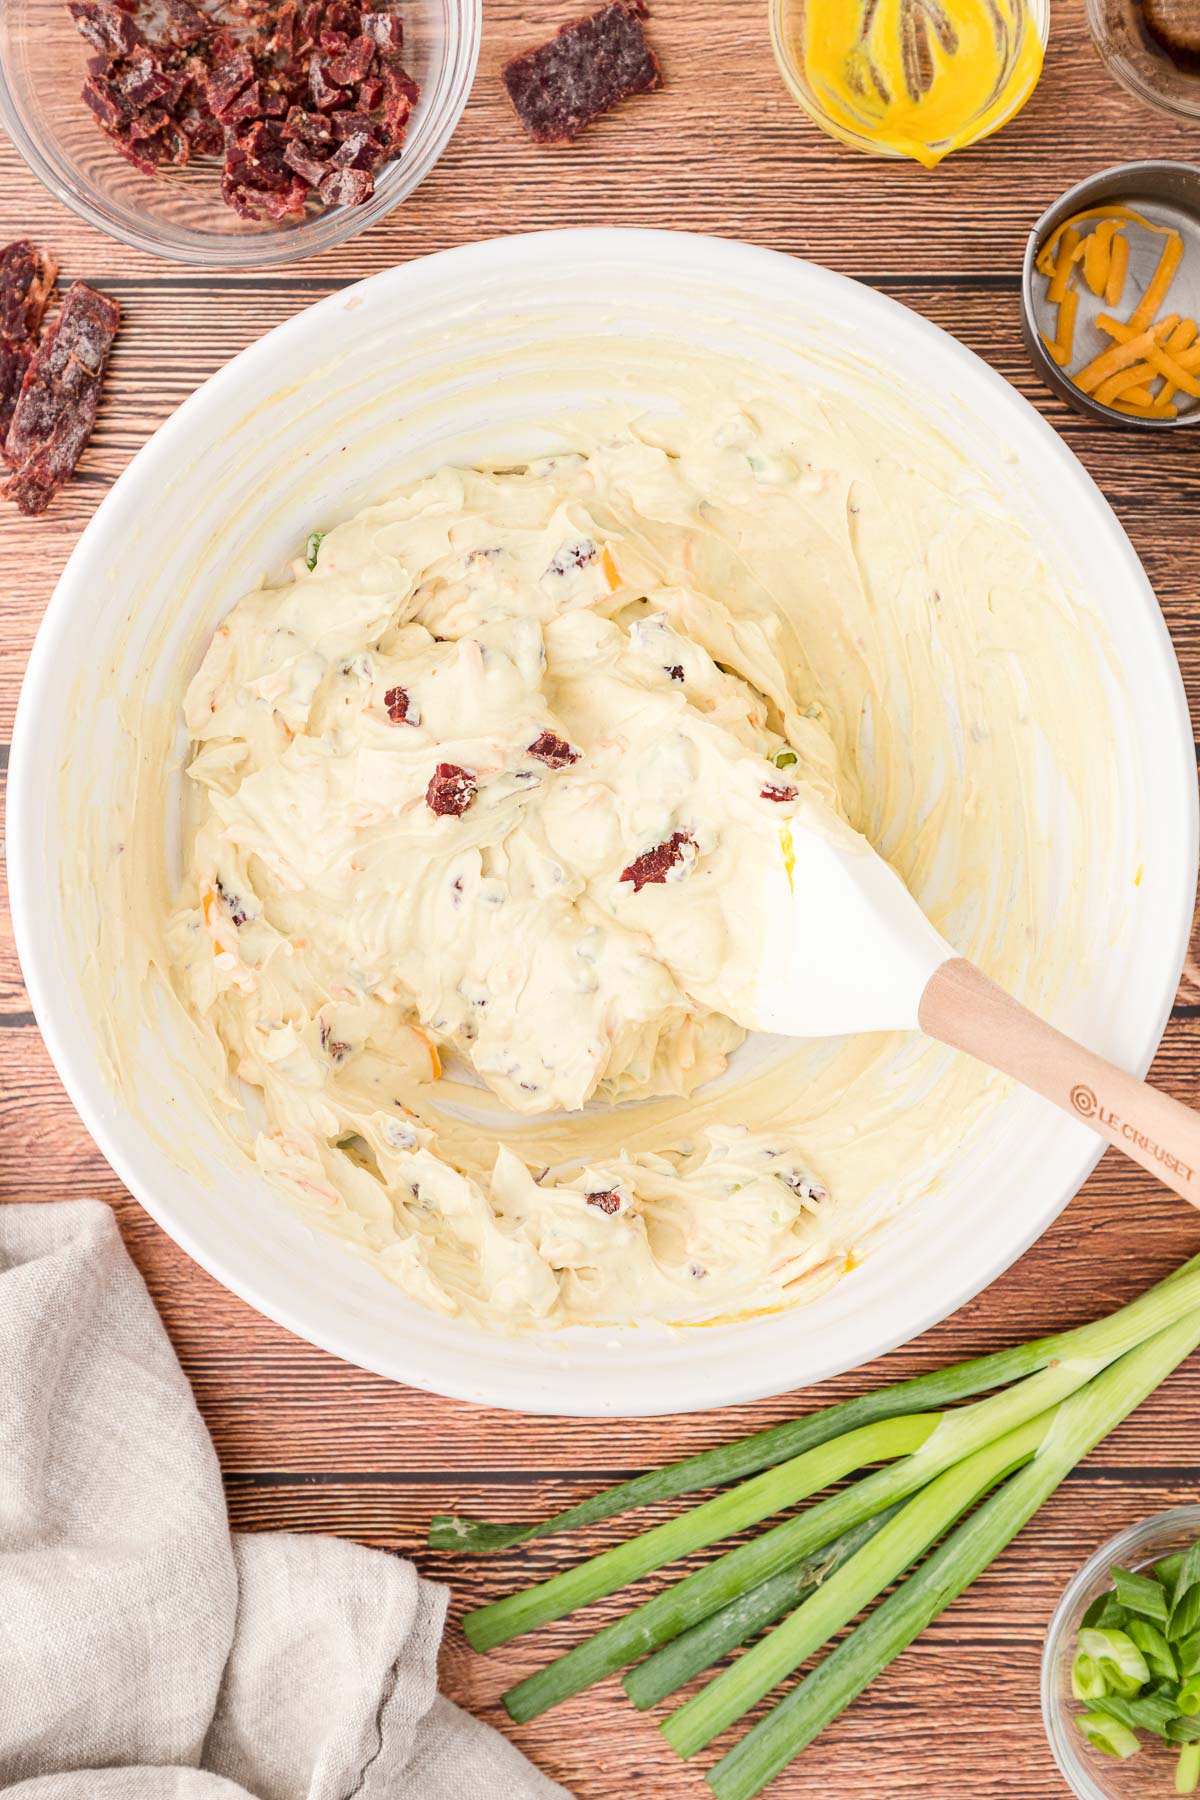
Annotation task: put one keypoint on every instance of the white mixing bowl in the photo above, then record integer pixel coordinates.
(407, 370)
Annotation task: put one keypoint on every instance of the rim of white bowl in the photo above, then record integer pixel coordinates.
(445, 105)
(519, 1390)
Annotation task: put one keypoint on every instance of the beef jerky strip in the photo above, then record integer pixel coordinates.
(56, 408)
(27, 277)
(585, 69)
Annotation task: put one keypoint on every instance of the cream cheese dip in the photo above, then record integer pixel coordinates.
(482, 801)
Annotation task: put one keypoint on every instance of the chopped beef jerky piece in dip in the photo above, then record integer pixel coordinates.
(656, 864)
(607, 1202)
(27, 277)
(56, 408)
(400, 709)
(450, 790)
(552, 750)
(586, 69)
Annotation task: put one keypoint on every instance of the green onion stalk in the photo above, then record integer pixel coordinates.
(693, 1651)
(977, 1472)
(780, 1443)
(1080, 1422)
(954, 1436)
(918, 1525)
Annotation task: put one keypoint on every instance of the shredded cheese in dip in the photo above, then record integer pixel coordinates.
(480, 797)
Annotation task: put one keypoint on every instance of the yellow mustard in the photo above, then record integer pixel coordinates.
(919, 78)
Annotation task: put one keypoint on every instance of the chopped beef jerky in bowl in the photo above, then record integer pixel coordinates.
(234, 133)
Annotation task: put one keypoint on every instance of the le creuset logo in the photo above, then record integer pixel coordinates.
(1083, 1099)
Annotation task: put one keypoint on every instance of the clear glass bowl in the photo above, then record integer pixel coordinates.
(1150, 1775)
(179, 213)
(1140, 62)
(787, 35)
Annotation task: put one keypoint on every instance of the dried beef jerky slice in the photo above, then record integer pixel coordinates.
(451, 790)
(552, 750)
(655, 865)
(27, 277)
(586, 69)
(57, 405)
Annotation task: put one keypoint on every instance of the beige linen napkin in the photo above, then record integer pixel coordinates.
(145, 1652)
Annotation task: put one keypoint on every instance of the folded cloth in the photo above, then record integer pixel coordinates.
(145, 1652)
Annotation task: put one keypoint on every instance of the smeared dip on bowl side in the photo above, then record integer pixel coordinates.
(480, 793)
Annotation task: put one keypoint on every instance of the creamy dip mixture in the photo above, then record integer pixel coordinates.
(480, 802)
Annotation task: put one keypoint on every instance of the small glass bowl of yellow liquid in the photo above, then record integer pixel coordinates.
(910, 78)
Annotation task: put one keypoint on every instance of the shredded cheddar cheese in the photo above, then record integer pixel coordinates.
(1182, 338)
(1176, 369)
(1151, 359)
(1168, 263)
(1121, 355)
(1044, 261)
(435, 1061)
(1066, 324)
(1118, 268)
(1062, 267)
(1145, 412)
(1097, 255)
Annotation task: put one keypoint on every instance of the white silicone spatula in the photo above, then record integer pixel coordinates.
(848, 949)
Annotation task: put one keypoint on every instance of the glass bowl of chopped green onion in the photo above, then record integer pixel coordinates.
(1121, 1667)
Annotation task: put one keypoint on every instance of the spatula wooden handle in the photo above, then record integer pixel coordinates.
(963, 1008)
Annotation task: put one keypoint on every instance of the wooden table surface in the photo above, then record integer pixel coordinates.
(309, 1444)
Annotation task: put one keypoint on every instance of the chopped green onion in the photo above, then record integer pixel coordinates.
(311, 548)
(1139, 1594)
(698, 1649)
(1160, 1658)
(1108, 1736)
(1183, 1730)
(1123, 1665)
(1185, 1613)
(1145, 1712)
(1187, 1769)
(1106, 1613)
(1188, 1698)
(1189, 1572)
(1087, 1678)
(1187, 1654)
(784, 759)
(1167, 1571)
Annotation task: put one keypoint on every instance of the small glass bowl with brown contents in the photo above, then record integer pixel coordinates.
(1153, 49)
(1111, 296)
(178, 211)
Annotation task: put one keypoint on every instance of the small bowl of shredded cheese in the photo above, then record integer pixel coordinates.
(1111, 293)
